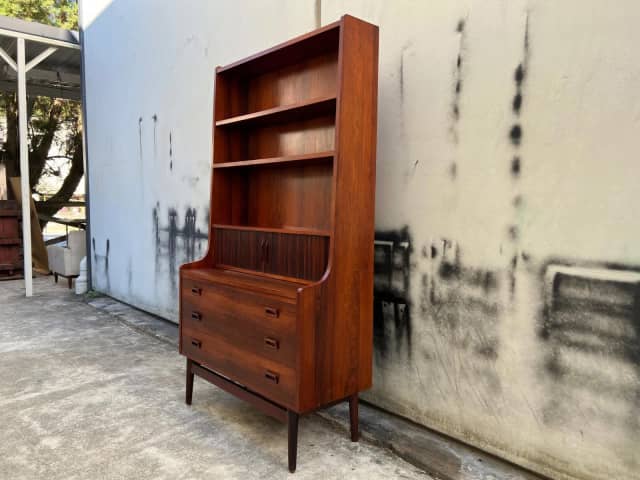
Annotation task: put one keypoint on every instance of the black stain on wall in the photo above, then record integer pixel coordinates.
(101, 261)
(457, 93)
(457, 80)
(175, 244)
(454, 299)
(515, 166)
(453, 170)
(140, 136)
(155, 135)
(597, 320)
(517, 103)
(170, 152)
(515, 134)
(392, 305)
(172, 242)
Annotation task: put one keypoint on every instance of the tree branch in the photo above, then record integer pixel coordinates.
(70, 183)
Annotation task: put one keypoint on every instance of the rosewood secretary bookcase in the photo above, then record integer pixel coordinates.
(279, 311)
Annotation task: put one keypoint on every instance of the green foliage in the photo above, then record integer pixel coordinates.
(59, 13)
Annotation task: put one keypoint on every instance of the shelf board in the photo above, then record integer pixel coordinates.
(273, 276)
(290, 112)
(288, 230)
(10, 241)
(308, 157)
(292, 51)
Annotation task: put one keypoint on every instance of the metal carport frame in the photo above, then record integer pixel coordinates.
(48, 41)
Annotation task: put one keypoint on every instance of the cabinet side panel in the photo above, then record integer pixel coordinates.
(345, 332)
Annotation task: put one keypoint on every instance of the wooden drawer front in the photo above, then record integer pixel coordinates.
(256, 323)
(266, 377)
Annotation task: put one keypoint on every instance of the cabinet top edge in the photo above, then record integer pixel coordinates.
(289, 43)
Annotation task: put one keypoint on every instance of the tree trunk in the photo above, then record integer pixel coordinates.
(70, 183)
(38, 154)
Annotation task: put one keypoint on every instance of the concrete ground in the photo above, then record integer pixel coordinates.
(86, 395)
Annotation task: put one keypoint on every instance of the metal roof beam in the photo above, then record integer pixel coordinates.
(36, 38)
(7, 58)
(37, 32)
(39, 58)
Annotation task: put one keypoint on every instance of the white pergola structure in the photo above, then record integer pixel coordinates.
(52, 58)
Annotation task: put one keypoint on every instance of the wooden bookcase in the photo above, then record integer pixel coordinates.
(279, 311)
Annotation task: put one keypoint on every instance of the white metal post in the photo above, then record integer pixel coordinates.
(24, 168)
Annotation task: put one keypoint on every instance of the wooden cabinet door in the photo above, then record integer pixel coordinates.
(240, 248)
(289, 255)
(297, 256)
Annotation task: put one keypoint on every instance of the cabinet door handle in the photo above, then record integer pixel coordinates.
(196, 291)
(196, 343)
(272, 312)
(271, 343)
(197, 316)
(272, 376)
(263, 252)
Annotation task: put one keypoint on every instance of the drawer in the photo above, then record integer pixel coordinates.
(260, 375)
(259, 324)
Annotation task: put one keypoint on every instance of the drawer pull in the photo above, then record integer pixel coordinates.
(269, 375)
(271, 312)
(271, 343)
(197, 316)
(196, 291)
(196, 343)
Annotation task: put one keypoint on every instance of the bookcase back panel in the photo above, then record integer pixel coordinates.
(307, 80)
(229, 198)
(275, 196)
(313, 135)
(290, 196)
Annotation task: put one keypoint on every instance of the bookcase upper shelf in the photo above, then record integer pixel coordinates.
(292, 112)
(301, 159)
(287, 230)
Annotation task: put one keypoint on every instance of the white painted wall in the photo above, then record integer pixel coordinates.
(477, 356)
(149, 60)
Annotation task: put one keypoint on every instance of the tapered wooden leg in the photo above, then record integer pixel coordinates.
(353, 416)
(189, 390)
(70, 280)
(293, 440)
(55, 277)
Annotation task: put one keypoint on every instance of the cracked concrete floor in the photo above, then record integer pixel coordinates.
(84, 396)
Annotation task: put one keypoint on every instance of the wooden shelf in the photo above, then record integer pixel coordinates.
(10, 241)
(308, 157)
(288, 230)
(272, 276)
(9, 213)
(292, 112)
